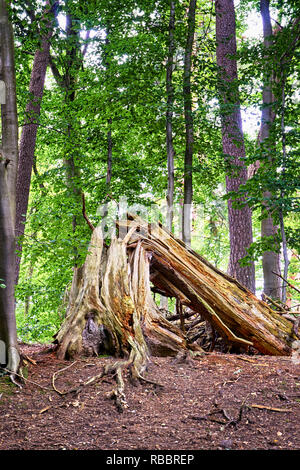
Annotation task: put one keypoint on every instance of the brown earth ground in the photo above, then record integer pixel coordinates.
(219, 401)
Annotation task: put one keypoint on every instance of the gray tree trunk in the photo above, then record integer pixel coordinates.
(169, 130)
(169, 118)
(74, 62)
(189, 127)
(108, 134)
(240, 220)
(270, 259)
(8, 172)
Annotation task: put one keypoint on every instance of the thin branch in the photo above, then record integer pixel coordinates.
(288, 283)
(84, 214)
(290, 50)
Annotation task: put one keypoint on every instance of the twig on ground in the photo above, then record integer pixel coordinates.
(270, 408)
(26, 380)
(55, 375)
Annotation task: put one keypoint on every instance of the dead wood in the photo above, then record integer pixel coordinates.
(233, 311)
(111, 308)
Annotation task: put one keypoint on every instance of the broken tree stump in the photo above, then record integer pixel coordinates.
(111, 307)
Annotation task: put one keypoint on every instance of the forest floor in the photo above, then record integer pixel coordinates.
(219, 401)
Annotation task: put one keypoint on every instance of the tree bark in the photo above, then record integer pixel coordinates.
(109, 134)
(169, 118)
(189, 127)
(270, 259)
(8, 172)
(30, 128)
(116, 302)
(169, 129)
(240, 220)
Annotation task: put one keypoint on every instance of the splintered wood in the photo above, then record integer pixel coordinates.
(236, 313)
(111, 301)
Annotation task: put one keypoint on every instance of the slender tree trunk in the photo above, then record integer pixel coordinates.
(169, 118)
(270, 259)
(281, 218)
(109, 122)
(29, 132)
(8, 172)
(169, 130)
(108, 175)
(189, 127)
(109, 135)
(67, 81)
(240, 220)
(72, 67)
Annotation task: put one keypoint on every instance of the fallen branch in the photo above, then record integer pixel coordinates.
(270, 408)
(177, 316)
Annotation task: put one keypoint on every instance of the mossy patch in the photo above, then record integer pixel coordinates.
(6, 387)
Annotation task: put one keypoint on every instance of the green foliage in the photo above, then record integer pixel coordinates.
(119, 87)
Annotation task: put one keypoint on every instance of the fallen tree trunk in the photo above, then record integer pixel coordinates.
(111, 307)
(235, 312)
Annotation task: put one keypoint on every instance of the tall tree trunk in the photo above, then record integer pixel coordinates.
(189, 127)
(240, 220)
(270, 259)
(30, 128)
(169, 130)
(28, 297)
(108, 135)
(169, 118)
(72, 67)
(8, 172)
(282, 194)
(67, 82)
